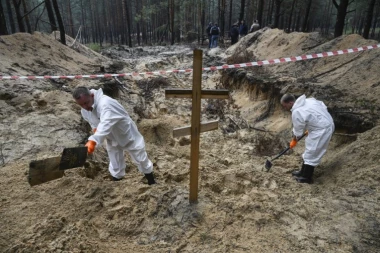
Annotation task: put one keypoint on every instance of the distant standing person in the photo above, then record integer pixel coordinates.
(215, 31)
(255, 26)
(234, 33)
(243, 29)
(110, 121)
(311, 115)
(208, 31)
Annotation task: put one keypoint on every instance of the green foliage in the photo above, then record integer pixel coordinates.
(94, 46)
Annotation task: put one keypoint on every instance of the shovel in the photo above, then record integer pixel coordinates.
(53, 168)
(268, 164)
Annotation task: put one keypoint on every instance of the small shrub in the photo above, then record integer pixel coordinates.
(95, 47)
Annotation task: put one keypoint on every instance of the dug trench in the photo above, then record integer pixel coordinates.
(250, 141)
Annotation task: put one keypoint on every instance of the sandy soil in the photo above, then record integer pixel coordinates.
(240, 208)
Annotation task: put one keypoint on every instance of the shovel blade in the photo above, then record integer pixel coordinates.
(73, 158)
(268, 165)
(44, 170)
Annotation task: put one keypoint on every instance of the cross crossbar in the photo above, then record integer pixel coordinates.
(188, 93)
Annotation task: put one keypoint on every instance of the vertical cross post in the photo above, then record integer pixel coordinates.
(197, 127)
(195, 124)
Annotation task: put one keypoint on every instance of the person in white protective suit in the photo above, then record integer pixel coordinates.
(110, 121)
(311, 115)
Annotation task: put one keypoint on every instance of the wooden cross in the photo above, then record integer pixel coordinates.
(196, 94)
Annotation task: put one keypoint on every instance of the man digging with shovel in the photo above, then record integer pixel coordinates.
(111, 122)
(311, 115)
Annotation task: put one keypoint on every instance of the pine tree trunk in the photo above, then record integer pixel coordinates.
(50, 13)
(270, 12)
(341, 15)
(242, 9)
(222, 15)
(361, 24)
(71, 22)
(171, 20)
(3, 24)
(291, 15)
(106, 27)
(377, 13)
(277, 13)
(203, 21)
(297, 24)
(230, 18)
(10, 16)
(260, 10)
(83, 22)
(26, 16)
(99, 34)
(60, 22)
(128, 23)
(92, 21)
(368, 21)
(16, 4)
(138, 13)
(143, 26)
(306, 19)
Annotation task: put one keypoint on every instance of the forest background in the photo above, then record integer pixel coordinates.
(149, 22)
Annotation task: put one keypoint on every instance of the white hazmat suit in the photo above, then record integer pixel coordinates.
(312, 115)
(113, 124)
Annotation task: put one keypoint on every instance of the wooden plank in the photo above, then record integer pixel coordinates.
(44, 170)
(186, 130)
(195, 125)
(205, 94)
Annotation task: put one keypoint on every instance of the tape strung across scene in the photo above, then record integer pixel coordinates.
(212, 68)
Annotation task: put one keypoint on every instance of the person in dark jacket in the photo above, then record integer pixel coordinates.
(243, 29)
(208, 31)
(215, 31)
(234, 33)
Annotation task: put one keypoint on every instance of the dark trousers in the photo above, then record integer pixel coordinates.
(234, 39)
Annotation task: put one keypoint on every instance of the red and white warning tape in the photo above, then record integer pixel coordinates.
(240, 65)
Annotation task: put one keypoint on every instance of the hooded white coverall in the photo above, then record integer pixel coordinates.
(312, 115)
(113, 123)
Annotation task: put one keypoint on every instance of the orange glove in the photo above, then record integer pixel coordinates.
(94, 130)
(90, 146)
(293, 143)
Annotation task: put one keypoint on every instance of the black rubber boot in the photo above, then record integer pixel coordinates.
(298, 173)
(307, 176)
(150, 178)
(116, 179)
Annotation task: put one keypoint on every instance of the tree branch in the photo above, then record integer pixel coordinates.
(335, 4)
(32, 10)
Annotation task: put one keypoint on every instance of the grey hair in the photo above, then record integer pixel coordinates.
(79, 91)
(286, 98)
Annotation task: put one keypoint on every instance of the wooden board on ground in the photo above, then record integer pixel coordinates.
(53, 168)
(44, 170)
